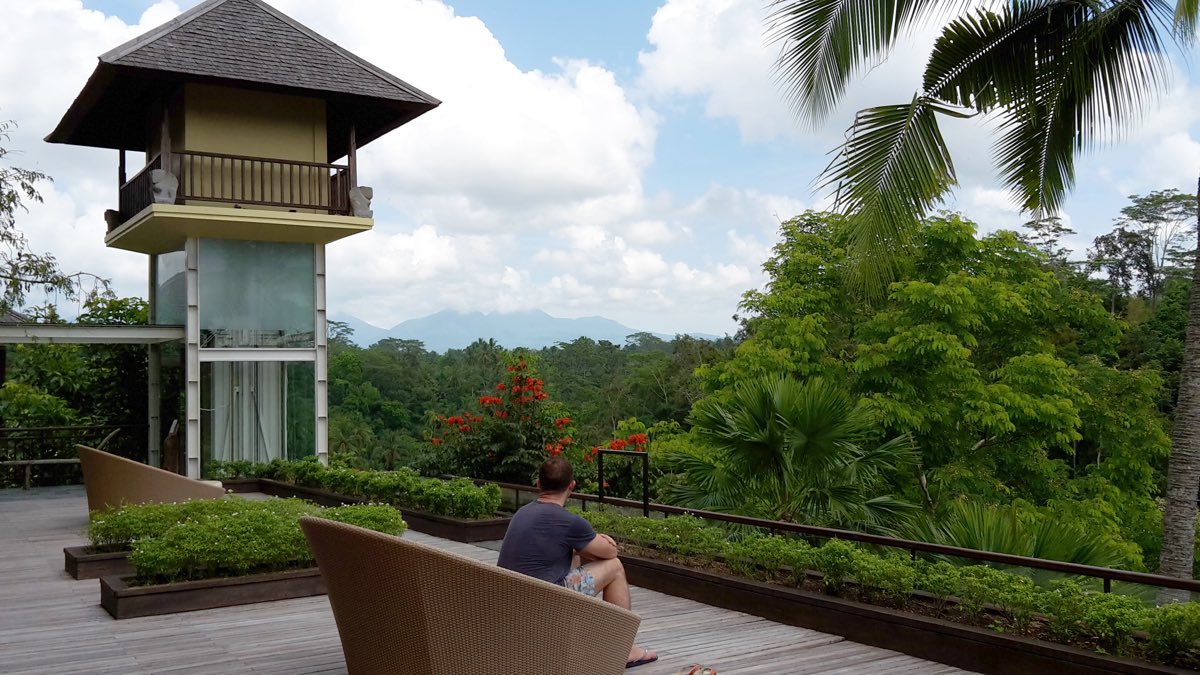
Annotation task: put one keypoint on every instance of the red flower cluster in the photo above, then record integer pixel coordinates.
(490, 400)
(637, 441)
(562, 422)
(555, 449)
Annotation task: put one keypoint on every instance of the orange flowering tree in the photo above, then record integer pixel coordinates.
(507, 435)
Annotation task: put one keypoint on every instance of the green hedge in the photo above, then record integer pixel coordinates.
(254, 537)
(1065, 611)
(459, 498)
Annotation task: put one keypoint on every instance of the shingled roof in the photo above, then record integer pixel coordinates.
(244, 43)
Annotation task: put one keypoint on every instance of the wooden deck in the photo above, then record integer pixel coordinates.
(50, 623)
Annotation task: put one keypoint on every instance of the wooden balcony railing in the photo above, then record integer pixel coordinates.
(137, 193)
(252, 181)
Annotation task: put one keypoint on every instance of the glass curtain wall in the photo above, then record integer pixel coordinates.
(258, 298)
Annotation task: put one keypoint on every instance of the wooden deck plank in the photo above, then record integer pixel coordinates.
(53, 625)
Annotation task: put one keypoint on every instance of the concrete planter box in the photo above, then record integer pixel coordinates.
(446, 527)
(939, 640)
(123, 601)
(81, 563)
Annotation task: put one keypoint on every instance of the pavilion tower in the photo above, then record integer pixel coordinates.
(249, 124)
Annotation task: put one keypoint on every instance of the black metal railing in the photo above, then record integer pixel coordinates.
(645, 456)
(41, 456)
(1106, 575)
(138, 192)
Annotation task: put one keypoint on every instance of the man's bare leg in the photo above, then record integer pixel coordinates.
(609, 576)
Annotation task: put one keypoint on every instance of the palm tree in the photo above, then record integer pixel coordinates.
(795, 451)
(1056, 77)
(972, 524)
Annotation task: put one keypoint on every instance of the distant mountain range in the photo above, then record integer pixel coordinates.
(534, 329)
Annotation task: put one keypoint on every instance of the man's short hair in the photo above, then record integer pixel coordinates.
(555, 475)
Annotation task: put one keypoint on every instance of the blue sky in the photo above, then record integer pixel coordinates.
(626, 159)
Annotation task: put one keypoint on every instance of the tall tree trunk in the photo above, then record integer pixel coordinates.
(1183, 476)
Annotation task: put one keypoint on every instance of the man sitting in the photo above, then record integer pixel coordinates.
(547, 541)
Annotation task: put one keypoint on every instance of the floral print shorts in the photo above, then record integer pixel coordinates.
(579, 579)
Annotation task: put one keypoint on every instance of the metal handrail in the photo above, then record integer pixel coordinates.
(1106, 574)
(601, 452)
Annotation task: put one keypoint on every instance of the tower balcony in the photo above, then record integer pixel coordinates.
(224, 196)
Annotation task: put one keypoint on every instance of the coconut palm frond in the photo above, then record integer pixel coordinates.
(893, 168)
(1187, 16)
(823, 43)
(984, 59)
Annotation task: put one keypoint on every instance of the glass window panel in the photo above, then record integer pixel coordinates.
(257, 411)
(170, 289)
(256, 294)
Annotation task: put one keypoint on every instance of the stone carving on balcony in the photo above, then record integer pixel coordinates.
(164, 186)
(360, 201)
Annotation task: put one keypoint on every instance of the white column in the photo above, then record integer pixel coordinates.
(321, 367)
(192, 359)
(153, 369)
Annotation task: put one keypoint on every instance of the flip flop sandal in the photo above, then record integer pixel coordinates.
(648, 656)
(696, 669)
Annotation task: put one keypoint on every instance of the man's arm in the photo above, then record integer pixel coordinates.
(601, 548)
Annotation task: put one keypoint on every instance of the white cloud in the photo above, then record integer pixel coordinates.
(523, 190)
(719, 50)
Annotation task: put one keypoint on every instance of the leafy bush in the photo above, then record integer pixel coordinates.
(837, 560)
(891, 578)
(404, 487)
(1071, 613)
(1174, 630)
(941, 580)
(1111, 619)
(256, 538)
(118, 528)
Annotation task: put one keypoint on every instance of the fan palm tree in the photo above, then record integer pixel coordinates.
(972, 524)
(794, 451)
(1055, 76)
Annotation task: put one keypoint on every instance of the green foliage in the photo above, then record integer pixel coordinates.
(1174, 631)
(1032, 533)
(789, 450)
(404, 487)
(257, 537)
(837, 560)
(887, 578)
(1011, 601)
(22, 270)
(119, 527)
(24, 406)
(507, 434)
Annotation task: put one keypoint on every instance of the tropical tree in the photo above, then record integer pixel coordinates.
(798, 451)
(1054, 76)
(1001, 529)
(22, 270)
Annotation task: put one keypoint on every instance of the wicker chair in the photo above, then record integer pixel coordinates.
(403, 607)
(110, 481)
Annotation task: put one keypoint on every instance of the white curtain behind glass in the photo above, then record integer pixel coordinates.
(249, 410)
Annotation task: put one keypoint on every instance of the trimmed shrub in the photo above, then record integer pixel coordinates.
(116, 529)
(459, 498)
(1174, 631)
(258, 538)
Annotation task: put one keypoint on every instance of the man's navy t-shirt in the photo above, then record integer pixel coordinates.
(541, 539)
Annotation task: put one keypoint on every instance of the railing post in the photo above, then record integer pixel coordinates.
(1107, 585)
(28, 468)
(600, 477)
(646, 485)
